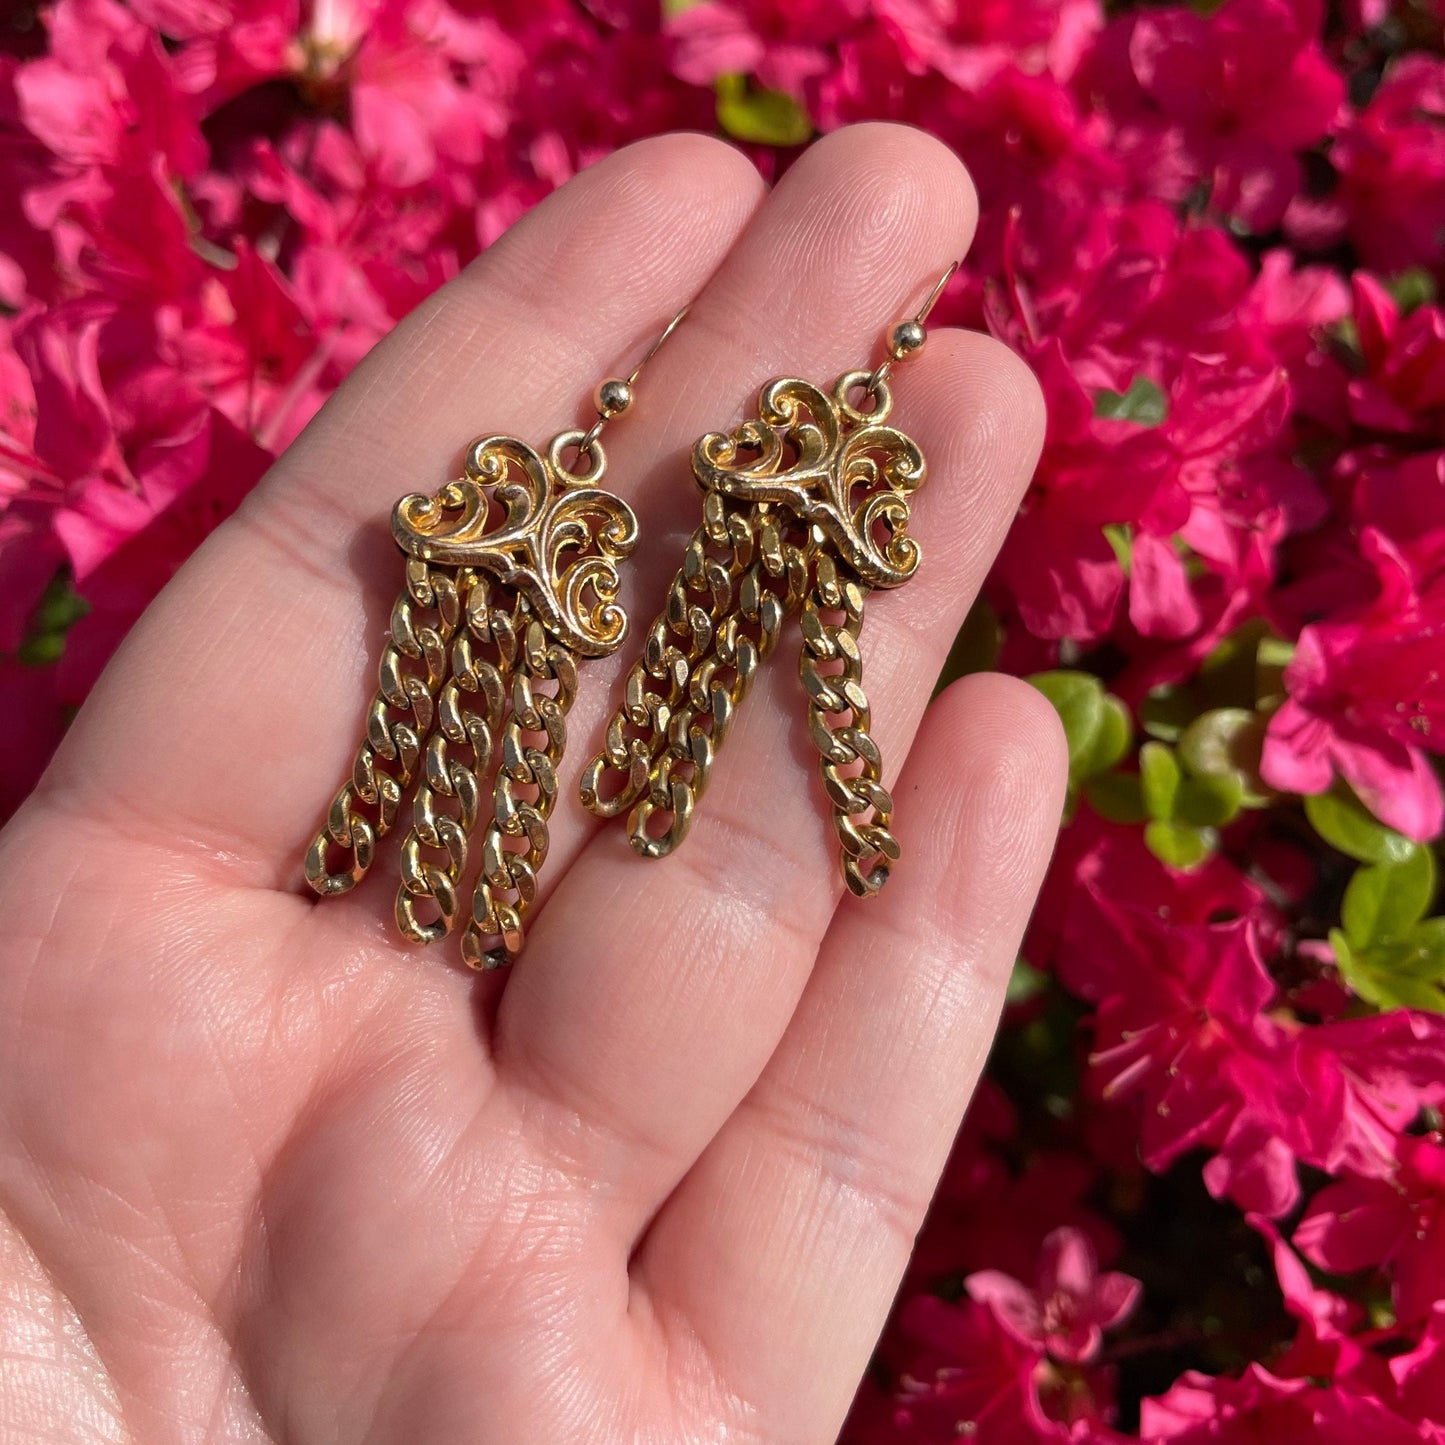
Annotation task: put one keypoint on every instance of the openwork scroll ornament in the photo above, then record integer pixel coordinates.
(511, 579)
(806, 510)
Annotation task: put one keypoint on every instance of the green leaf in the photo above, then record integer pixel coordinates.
(1143, 404)
(760, 116)
(59, 609)
(1405, 973)
(1209, 802)
(1025, 982)
(1111, 739)
(1343, 822)
(1121, 538)
(1178, 844)
(1166, 712)
(1117, 797)
(1385, 901)
(1227, 742)
(1411, 289)
(1078, 698)
(1159, 776)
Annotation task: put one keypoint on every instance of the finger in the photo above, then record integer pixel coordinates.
(659, 1025)
(235, 706)
(787, 1241)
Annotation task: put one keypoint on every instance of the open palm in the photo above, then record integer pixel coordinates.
(268, 1174)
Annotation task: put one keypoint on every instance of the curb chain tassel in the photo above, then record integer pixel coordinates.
(806, 510)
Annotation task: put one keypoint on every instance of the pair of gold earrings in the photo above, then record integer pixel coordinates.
(512, 579)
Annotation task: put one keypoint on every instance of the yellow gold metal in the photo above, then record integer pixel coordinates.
(806, 509)
(512, 577)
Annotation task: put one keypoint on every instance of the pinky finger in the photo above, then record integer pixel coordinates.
(782, 1249)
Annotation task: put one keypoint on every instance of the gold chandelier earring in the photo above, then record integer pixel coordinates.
(511, 579)
(805, 511)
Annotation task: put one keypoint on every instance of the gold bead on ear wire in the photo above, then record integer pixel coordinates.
(511, 578)
(805, 511)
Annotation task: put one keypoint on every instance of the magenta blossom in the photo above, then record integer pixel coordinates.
(1222, 101)
(1259, 1408)
(1395, 1224)
(1071, 1305)
(1367, 695)
(967, 1375)
(1391, 161)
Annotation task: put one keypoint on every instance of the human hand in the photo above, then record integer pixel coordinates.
(268, 1174)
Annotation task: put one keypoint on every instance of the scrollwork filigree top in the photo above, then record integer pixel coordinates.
(829, 464)
(552, 534)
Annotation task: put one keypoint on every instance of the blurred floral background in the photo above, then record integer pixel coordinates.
(1201, 1194)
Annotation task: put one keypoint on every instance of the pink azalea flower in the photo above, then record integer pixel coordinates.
(1224, 100)
(966, 1376)
(1402, 390)
(969, 43)
(1291, 310)
(1181, 1025)
(1367, 1080)
(1327, 1346)
(1260, 1407)
(1419, 1374)
(1057, 566)
(1367, 696)
(1396, 1224)
(783, 44)
(1391, 161)
(1071, 1304)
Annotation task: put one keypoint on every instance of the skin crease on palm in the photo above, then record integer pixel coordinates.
(268, 1174)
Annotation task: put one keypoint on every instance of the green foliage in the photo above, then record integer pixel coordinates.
(1407, 972)
(1243, 673)
(1097, 726)
(1144, 404)
(1228, 743)
(1389, 953)
(1025, 982)
(1185, 805)
(1344, 822)
(760, 116)
(1384, 901)
(1120, 537)
(1412, 288)
(59, 609)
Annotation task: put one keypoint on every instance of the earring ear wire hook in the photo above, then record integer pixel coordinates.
(614, 396)
(909, 336)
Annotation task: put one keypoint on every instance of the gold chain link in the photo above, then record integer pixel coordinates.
(458, 762)
(744, 638)
(839, 722)
(507, 887)
(411, 672)
(699, 598)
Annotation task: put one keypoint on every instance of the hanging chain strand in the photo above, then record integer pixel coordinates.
(411, 672)
(470, 712)
(719, 681)
(507, 887)
(840, 723)
(699, 599)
